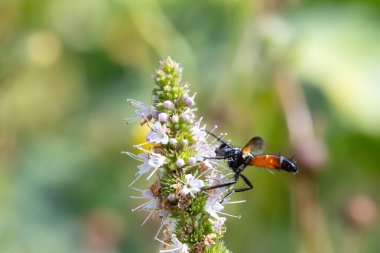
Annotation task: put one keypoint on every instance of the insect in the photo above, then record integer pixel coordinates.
(251, 154)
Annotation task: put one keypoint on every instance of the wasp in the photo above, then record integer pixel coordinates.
(251, 154)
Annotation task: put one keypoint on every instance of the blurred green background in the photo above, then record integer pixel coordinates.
(305, 75)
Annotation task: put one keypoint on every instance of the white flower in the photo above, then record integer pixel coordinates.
(173, 141)
(191, 161)
(171, 197)
(217, 224)
(213, 206)
(182, 247)
(169, 223)
(180, 162)
(142, 111)
(192, 185)
(186, 117)
(217, 177)
(199, 132)
(189, 101)
(145, 167)
(163, 117)
(204, 150)
(175, 119)
(158, 134)
(168, 104)
(178, 246)
(152, 204)
(151, 161)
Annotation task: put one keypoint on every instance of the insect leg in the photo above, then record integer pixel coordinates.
(250, 186)
(236, 179)
(219, 157)
(220, 185)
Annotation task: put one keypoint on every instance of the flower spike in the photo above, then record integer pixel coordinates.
(178, 145)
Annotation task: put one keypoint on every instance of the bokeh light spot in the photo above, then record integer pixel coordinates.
(44, 48)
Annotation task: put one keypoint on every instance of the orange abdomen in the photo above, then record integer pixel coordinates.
(267, 161)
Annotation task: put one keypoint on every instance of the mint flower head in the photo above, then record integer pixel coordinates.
(191, 218)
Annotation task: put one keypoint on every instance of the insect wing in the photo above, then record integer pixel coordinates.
(255, 146)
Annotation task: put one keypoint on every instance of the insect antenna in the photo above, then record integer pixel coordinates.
(217, 137)
(220, 138)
